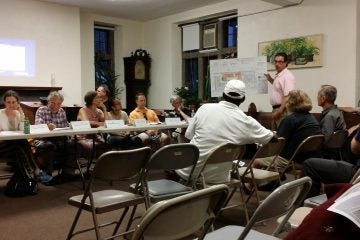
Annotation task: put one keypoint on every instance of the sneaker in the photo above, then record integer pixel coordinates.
(43, 177)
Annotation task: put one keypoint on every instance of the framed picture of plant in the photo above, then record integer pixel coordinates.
(303, 52)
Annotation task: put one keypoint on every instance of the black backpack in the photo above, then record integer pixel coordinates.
(22, 182)
(20, 185)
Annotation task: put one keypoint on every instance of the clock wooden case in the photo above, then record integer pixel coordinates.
(137, 76)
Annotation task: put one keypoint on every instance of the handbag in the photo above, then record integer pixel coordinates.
(20, 185)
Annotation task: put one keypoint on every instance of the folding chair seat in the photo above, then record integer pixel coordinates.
(111, 166)
(283, 200)
(227, 152)
(182, 216)
(259, 177)
(169, 158)
(310, 145)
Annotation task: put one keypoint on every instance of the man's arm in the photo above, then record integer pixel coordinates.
(355, 143)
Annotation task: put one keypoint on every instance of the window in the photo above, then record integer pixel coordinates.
(104, 53)
(218, 39)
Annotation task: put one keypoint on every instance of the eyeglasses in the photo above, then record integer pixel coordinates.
(278, 61)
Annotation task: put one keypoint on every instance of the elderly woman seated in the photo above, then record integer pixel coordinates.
(295, 127)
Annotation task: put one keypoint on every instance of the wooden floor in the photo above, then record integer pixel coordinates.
(48, 216)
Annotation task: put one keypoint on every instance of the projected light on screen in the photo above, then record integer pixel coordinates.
(17, 57)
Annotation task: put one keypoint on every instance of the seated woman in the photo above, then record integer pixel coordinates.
(298, 125)
(121, 140)
(91, 112)
(11, 119)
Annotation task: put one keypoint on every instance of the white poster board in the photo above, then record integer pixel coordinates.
(250, 70)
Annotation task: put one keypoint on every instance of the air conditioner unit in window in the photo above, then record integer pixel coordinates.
(209, 37)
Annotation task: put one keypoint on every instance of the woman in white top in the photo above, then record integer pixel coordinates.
(121, 140)
(11, 119)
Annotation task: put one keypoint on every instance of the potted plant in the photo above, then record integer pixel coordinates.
(310, 51)
(189, 99)
(105, 75)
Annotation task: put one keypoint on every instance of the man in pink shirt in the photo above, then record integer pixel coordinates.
(280, 86)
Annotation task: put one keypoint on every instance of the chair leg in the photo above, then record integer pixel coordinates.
(244, 203)
(71, 231)
(131, 218)
(81, 173)
(96, 224)
(120, 220)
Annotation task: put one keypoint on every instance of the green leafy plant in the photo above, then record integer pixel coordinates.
(105, 75)
(188, 97)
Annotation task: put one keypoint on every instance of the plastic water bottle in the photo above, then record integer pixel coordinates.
(192, 113)
(26, 126)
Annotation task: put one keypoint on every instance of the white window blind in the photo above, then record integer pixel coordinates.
(190, 36)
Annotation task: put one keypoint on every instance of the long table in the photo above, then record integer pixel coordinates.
(14, 135)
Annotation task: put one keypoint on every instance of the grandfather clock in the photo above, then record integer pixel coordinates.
(137, 76)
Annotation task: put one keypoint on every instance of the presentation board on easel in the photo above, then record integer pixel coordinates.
(250, 70)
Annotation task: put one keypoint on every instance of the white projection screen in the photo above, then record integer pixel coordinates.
(17, 57)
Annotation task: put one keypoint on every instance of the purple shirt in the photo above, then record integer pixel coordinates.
(284, 82)
(45, 116)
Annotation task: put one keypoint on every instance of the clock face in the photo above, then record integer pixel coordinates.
(139, 70)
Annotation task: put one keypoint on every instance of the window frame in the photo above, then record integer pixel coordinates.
(204, 54)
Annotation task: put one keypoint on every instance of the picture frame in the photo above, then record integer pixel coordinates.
(303, 51)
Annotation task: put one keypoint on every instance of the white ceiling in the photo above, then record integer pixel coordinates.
(140, 10)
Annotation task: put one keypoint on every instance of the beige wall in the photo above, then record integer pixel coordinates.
(56, 32)
(64, 40)
(336, 19)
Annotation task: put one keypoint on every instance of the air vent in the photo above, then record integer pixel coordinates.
(209, 37)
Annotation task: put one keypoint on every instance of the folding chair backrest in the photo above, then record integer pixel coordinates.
(284, 199)
(182, 216)
(226, 152)
(270, 149)
(310, 144)
(337, 139)
(174, 156)
(121, 165)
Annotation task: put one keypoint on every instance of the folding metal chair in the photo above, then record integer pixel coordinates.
(182, 216)
(312, 144)
(227, 152)
(259, 177)
(333, 146)
(168, 158)
(283, 200)
(111, 166)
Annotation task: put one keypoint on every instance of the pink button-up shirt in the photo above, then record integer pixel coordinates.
(284, 82)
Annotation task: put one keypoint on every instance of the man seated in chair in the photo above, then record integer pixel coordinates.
(331, 118)
(217, 123)
(55, 148)
(142, 112)
(326, 171)
(178, 134)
